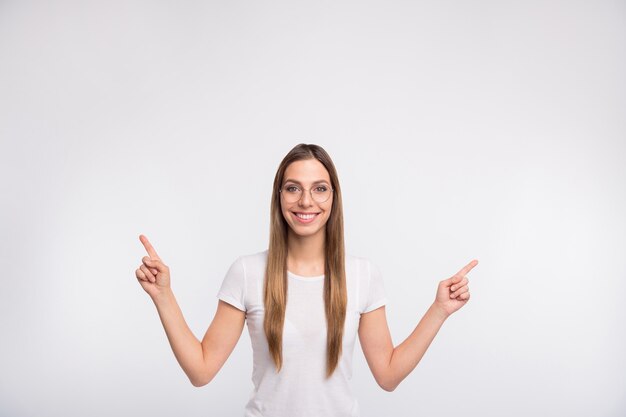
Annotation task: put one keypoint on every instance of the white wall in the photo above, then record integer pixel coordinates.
(489, 130)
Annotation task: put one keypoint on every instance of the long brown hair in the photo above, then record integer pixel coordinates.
(275, 287)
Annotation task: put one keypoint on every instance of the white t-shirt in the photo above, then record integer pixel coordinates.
(300, 388)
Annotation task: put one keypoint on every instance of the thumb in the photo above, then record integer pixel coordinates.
(156, 263)
(452, 280)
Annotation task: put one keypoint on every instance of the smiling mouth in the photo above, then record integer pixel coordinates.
(308, 217)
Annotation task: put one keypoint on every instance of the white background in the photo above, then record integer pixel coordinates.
(489, 130)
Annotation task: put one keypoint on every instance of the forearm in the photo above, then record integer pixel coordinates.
(187, 348)
(407, 355)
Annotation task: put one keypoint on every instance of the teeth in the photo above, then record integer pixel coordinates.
(305, 216)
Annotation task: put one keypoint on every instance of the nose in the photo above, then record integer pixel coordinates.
(305, 199)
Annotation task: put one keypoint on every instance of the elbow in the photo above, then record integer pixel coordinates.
(200, 381)
(197, 383)
(202, 377)
(387, 381)
(387, 386)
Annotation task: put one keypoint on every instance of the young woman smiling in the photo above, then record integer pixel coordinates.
(304, 300)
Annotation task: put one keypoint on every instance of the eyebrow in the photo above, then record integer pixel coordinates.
(298, 182)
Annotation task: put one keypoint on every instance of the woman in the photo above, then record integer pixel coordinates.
(304, 300)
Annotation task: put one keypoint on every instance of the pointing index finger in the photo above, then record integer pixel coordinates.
(149, 248)
(467, 267)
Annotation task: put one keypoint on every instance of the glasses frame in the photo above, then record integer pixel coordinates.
(310, 190)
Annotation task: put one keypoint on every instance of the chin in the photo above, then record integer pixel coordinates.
(303, 230)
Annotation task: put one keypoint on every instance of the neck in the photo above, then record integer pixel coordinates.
(306, 251)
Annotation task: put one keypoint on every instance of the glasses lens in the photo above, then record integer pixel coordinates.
(321, 193)
(291, 193)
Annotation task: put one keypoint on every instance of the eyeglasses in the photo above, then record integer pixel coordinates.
(292, 193)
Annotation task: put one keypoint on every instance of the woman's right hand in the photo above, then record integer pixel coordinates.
(153, 274)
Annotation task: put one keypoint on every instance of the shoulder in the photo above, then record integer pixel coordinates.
(253, 263)
(367, 279)
(357, 259)
(254, 257)
(358, 266)
(249, 263)
(365, 270)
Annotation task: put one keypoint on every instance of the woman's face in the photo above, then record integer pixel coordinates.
(305, 175)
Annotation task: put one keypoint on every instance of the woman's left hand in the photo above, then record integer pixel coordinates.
(453, 292)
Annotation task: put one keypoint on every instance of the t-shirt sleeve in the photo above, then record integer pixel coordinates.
(233, 288)
(376, 295)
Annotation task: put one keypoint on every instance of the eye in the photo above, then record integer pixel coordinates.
(289, 188)
(322, 188)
